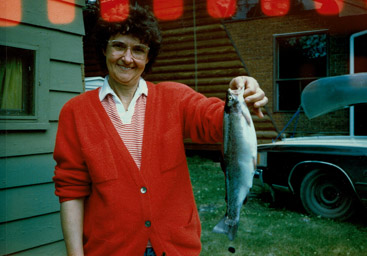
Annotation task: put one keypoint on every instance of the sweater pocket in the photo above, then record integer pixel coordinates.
(172, 150)
(100, 162)
(187, 238)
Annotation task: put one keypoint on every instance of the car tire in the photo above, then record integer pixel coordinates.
(327, 195)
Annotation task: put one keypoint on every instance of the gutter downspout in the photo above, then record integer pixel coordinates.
(195, 45)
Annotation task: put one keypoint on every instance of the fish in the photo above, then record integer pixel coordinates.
(239, 159)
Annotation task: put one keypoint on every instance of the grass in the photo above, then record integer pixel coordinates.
(268, 230)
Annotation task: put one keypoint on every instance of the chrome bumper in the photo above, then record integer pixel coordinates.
(259, 175)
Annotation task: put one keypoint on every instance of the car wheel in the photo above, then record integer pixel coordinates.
(327, 195)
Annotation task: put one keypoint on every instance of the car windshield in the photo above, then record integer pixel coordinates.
(332, 93)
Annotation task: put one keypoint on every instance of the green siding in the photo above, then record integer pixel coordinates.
(28, 143)
(58, 44)
(53, 249)
(58, 99)
(29, 213)
(66, 47)
(35, 12)
(61, 82)
(26, 170)
(29, 233)
(33, 200)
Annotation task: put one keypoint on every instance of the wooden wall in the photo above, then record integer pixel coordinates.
(29, 213)
(197, 51)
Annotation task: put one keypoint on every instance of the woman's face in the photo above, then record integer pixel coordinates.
(126, 58)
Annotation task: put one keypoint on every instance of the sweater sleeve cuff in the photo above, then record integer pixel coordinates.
(71, 184)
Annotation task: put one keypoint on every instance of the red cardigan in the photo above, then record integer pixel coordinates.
(124, 206)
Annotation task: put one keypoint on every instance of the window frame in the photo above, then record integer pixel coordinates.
(276, 68)
(38, 120)
(27, 100)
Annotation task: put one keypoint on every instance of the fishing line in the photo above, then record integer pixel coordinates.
(195, 46)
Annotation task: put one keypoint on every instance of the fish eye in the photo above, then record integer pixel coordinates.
(230, 98)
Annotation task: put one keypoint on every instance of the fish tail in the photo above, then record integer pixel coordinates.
(228, 227)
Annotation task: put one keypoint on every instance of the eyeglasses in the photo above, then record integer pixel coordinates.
(138, 51)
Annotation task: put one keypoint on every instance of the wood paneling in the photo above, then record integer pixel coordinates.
(29, 233)
(26, 170)
(34, 201)
(37, 14)
(28, 142)
(53, 249)
(207, 64)
(62, 82)
(57, 101)
(29, 217)
(66, 47)
(197, 51)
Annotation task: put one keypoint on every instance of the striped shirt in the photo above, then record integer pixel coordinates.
(129, 124)
(131, 131)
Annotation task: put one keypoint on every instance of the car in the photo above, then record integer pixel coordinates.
(328, 174)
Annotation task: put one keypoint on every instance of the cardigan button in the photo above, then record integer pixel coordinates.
(143, 190)
(148, 223)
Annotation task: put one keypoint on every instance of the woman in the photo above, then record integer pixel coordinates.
(121, 173)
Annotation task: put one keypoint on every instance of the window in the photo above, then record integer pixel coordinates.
(300, 59)
(16, 81)
(248, 9)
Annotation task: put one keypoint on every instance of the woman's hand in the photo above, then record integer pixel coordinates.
(254, 95)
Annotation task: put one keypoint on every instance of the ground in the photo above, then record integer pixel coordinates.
(268, 229)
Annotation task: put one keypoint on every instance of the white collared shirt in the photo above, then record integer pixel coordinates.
(125, 115)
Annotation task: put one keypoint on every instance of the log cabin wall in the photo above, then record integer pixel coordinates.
(197, 51)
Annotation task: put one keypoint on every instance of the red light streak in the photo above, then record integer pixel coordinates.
(328, 7)
(275, 7)
(10, 12)
(221, 8)
(61, 11)
(168, 10)
(114, 10)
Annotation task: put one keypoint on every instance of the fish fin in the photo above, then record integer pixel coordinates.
(224, 227)
(247, 117)
(225, 133)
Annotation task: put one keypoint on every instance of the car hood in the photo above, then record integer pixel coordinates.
(334, 141)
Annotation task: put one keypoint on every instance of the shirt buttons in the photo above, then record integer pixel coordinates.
(148, 223)
(143, 190)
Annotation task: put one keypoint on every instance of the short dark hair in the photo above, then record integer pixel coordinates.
(140, 23)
